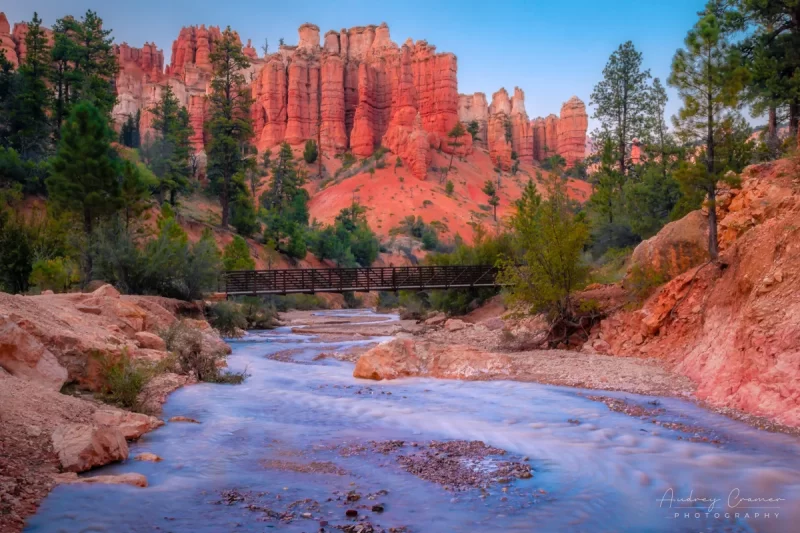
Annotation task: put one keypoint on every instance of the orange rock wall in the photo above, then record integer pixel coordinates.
(531, 140)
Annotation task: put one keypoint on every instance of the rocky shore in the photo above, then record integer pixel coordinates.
(53, 343)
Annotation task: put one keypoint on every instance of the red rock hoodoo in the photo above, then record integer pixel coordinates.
(354, 91)
(507, 128)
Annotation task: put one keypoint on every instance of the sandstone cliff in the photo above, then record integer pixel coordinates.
(505, 128)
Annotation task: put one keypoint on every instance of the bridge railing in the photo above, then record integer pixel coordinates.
(311, 280)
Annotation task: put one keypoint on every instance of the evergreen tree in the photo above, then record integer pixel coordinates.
(84, 178)
(473, 128)
(63, 76)
(773, 60)
(709, 85)
(30, 123)
(454, 134)
(236, 255)
(134, 193)
(243, 213)
(550, 240)
(620, 100)
(169, 153)
(229, 123)
(129, 132)
(310, 151)
(95, 62)
(491, 191)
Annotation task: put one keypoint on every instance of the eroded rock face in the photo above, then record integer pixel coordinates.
(571, 131)
(407, 357)
(23, 356)
(7, 44)
(732, 328)
(81, 447)
(473, 107)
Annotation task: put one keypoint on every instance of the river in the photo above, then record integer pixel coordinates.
(594, 469)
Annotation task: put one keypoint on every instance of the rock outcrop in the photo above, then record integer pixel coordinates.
(679, 246)
(408, 357)
(571, 131)
(81, 447)
(473, 107)
(731, 327)
(505, 128)
(71, 333)
(7, 44)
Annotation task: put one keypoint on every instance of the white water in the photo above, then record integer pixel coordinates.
(607, 473)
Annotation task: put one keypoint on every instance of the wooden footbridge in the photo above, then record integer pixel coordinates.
(312, 280)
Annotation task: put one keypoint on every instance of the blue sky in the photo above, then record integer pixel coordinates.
(551, 49)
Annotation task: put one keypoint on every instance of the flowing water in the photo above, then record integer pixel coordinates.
(594, 469)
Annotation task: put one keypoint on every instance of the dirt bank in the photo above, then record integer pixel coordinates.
(49, 341)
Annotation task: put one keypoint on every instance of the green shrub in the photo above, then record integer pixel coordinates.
(351, 301)
(236, 255)
(227, 318)
(642, 281)
(186, 344)
(57, 274)
(122, 379)
(259, 313)
(310, 152)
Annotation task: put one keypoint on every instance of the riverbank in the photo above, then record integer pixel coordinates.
(55, 352)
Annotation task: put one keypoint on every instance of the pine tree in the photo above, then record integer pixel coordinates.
(310, 151)
(134, 193)
(454, 134)
(84, 178)
(491, 191)
(773, 62)
(550, 238)
(95, 62)
(63, 77)
(620, 100)
(129, 132)
(169, 153)
(236, 255)
(229, 124)
(473, 128)
(30, 122)
(710, 86)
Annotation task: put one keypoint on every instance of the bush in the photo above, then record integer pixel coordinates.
(388, 301)
(351, 301)
(236, 255)
(186, 343)
(227, 318)
(449, 187)
(122, 379)
(643, 281)
(57, 274)
(299, 302)
(259, 313)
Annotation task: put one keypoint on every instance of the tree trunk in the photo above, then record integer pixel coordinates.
(87, 229)
(772, 126)
(794, 115)
(223, 200)
(713, 245)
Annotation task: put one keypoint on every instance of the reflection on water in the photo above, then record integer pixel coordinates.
(594, 469)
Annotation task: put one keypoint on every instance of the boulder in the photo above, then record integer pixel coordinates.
(436, 320)
(131, 478)
(22, 355)
(183, 419)
(150, 341)
(106, 291)
(131, 425)
(455, 324)
(406, 357)
(80, 447)
(679, 246)
(148, 457)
